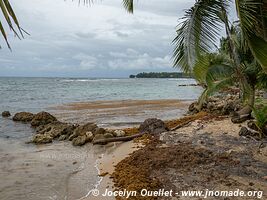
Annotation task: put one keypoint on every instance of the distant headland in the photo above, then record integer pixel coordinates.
(161, 75)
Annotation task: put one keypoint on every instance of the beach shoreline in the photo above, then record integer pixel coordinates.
(205, 132)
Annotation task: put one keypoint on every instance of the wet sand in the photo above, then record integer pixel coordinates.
(122, 113)
(115, 152)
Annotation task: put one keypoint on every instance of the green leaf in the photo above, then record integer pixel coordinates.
(258, 48)
(198, 32)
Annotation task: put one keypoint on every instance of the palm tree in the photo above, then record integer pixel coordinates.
(198, 33)
(202, 23)
(217, 70)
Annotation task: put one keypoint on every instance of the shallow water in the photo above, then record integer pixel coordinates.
(59, 170)
(33, 94)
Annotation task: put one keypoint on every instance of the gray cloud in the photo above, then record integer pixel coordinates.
(102, 40)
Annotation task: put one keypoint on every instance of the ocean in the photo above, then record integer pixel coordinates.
(59, 170)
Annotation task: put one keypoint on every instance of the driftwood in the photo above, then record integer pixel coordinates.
(118, 139)
(181, 125)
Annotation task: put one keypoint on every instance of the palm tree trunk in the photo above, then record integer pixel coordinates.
(248, 108)
(242, 79)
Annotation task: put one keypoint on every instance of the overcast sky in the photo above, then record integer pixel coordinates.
(98, 41)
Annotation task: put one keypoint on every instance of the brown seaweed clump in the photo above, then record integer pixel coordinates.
(150, 167)
(172, 124)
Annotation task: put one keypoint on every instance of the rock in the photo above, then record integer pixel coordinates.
(6, 114)
(192, 108)
(42, 138)
(119, 133)
(42, 118)
(236, 119)
(108, 135)
(99, 131)
(69, 129)
(63, 137)
(153, 126)
(244, 132)
(82, 130)
(228, 108)
(72, 136)
(23, 117)
(263, 150)
(265, 129)
(79, 141)
(56, 129)
(89, 127)
(89, 136)
(98, 137)
(211, 106)
(252, 125)
(220, 104)
(249, 132)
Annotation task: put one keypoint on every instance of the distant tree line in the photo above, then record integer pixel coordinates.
(161, 75)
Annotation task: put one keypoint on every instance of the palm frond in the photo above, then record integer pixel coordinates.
(253, 20)
(128, 5)
(211, 67)
(215, 72)
(197, 33)
(213, 87)
(11, 20)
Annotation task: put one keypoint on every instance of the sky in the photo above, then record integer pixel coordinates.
(103, 40)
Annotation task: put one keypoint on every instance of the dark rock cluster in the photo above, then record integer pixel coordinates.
(48, 128)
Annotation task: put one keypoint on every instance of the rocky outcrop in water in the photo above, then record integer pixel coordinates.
(23, 117)
(53, 130)
(6, 114)
(48, 128)
(42, 118)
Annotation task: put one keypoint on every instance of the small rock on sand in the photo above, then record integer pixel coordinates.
(108, 135)
(79, 141)
(153, 126)
(119, 133)
(42, 138)
(100, 131)
(98, 137)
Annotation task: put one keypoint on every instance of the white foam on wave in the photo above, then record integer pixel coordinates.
(98, 182)
(89, 80)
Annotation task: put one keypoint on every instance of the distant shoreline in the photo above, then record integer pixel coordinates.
(161, 75)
